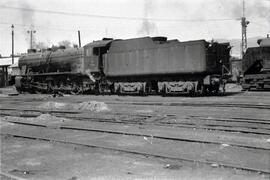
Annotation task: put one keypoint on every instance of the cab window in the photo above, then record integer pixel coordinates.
(89, 52)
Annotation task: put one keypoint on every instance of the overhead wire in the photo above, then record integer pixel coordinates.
(45, 27)
(115, 17)
(101, 16)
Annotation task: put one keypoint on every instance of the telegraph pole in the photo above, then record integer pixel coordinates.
(31, 32)
(79, 37)
(12, 52)
(244, 24)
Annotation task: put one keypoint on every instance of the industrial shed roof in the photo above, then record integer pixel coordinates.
(8, 60)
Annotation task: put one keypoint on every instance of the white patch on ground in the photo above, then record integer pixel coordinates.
(3, 124)
(145, 111)
(126, 143)
(53, 120)
(3, 95)
(214, 165)
(29, 162)
(48, 117)
(4, 92)
(52, 105)
(233, 88)
(93, 106)
(225, 145)
(150, 139)
(88, 105)
(17, 146)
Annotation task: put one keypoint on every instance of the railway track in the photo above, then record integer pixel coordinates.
(145, 122)
(34, 113)
(188, 104)
(233, 119)
(233, 125)
(80, 136)
(140, 133)
(214, 104)
(220, 164)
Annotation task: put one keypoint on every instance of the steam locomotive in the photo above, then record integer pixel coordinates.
(256, 66)
(146, 65)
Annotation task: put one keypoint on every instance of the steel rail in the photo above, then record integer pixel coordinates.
(208, 162)
(135, 134)
(226, 128)
(266, 106)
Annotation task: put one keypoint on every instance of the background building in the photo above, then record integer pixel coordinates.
(8, 70)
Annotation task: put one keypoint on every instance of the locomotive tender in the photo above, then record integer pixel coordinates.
(147, 65)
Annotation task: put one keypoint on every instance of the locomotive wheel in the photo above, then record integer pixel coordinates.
(200, 90)
(118, 92)
(192, 93)
(121, 92)
(142, 91)
(111, 87)
(101, 89)
(147, 89)
(164, 90)
(49, 87)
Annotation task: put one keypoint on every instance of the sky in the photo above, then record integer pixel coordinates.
(54, 21)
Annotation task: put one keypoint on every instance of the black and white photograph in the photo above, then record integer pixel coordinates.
(135, 89)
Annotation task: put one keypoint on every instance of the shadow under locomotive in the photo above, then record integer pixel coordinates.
(139, 66)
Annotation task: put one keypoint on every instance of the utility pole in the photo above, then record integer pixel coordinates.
(244, 24)
(12, 51)
(31, 32)
(79, 37)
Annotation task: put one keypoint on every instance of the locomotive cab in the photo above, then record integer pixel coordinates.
(93, 62)
(93, 55)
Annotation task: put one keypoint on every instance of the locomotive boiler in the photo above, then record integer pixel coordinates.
(60, 70)
(147, 65)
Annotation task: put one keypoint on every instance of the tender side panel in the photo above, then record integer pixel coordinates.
(143, 56)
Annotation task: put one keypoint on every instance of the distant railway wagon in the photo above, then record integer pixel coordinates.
(3, 75)
(256, 67)
(148, 65)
